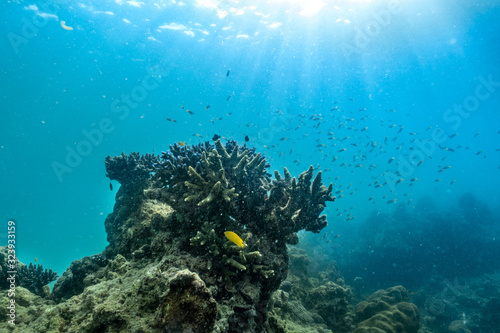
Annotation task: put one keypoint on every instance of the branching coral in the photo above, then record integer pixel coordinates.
(130, 169)
(214, 182)
(228, 254)
(296, 204)
(214, 187)
(34, 278)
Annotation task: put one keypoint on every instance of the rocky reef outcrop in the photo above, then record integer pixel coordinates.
(169, 266)
(311, 300)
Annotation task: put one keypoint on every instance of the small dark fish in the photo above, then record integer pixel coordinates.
(111, 186)
(216, 137)
(170, 119)
(228, 97)
(228, 72)
(247, 138)
(207, 107)
(189, 111)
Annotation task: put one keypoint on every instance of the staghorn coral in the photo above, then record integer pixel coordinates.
(228, 255)
(232, 181)
(298, 203)
(214, 188)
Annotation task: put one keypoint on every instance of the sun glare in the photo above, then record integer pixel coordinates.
(303, 7)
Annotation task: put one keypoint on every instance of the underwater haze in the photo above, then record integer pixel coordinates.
(396, 102)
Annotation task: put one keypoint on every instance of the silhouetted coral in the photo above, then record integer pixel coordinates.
(130, 169)
(34, 278)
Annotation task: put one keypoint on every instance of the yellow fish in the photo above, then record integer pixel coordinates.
(233, 237)
(65, 27)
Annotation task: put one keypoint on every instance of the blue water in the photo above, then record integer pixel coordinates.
(385, 66)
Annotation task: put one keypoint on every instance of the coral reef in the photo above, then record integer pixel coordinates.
(81, 273)
(129, 170)
(169, 266)
(318, 301)
(460, 304)
(387, 311)
(391, 240)
(229, 185)
(32, 277)
(126, 298)
(187, 305)
(227, 256)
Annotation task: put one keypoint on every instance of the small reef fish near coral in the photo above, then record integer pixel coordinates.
(233, 237)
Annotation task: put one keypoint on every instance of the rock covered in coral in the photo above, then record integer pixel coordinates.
(311, 299)
(81, 273)
(288, 315)
(187, 306)
(387, 311)
(169, 266)
(28, 309)
(126, 298)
